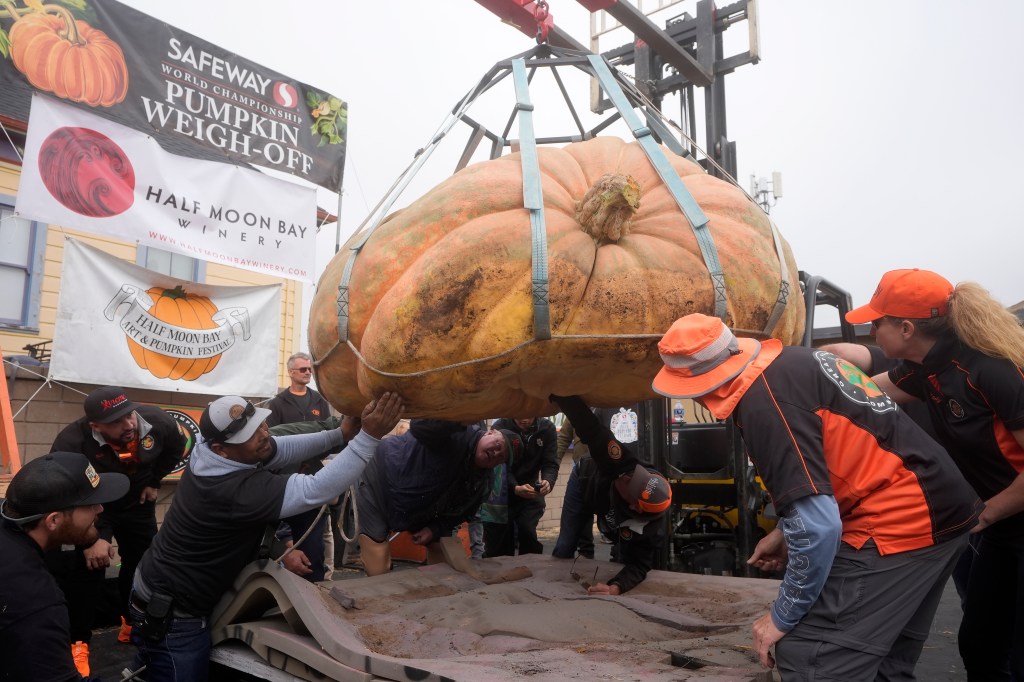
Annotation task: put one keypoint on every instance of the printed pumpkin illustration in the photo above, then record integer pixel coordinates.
(65, 56)
(177, 308)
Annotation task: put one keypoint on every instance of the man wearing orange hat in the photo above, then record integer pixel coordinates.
(963, 355)
(872, 513)
(630, 500)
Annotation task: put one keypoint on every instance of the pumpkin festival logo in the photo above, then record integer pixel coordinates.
(173, 334)
(63, 55)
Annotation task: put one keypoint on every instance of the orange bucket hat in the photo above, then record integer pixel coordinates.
(907, 294)
(700, 354)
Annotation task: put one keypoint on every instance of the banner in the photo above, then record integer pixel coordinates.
(86, 172)
(123, 325)
(148, 75)
(187, 419)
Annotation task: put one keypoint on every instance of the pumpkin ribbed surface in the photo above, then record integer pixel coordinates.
(92, 70)
(448, 280)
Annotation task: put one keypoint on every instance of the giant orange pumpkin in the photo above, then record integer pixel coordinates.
(440, 296)
(69, 58)
(177, 308)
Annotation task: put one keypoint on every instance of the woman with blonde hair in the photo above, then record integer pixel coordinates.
(963, 355)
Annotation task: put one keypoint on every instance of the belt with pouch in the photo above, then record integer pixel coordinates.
(141, 604)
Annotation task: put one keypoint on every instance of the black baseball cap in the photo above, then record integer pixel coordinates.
(60, 480)
(108, 404)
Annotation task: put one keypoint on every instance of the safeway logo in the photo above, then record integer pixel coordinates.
(285, 95)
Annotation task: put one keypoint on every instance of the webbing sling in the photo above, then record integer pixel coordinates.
(783, 297)
(533, 201)
(382, 209)
(687, 204)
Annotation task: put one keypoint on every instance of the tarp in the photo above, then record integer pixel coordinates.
(153, 77)
(92, 174)
(121, 324)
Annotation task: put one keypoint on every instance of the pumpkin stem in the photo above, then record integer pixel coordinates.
(176, 293)
(70, 25)
(608, 207)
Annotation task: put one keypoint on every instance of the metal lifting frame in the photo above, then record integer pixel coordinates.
(651, 132)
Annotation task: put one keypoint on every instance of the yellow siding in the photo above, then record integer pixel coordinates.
(11, 343)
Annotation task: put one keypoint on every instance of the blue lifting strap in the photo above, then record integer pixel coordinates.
(687, 204)
(533, 201)
(382, 209)
(783, 298)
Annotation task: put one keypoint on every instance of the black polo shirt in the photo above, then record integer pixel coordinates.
(814, 424)
(976, 402)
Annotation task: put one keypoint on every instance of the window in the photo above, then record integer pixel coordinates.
(22, 250)
(173, 264)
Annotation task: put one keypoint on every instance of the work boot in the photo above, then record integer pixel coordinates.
(125, 635)
(80, 652)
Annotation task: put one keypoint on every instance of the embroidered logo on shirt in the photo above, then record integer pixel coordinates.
(956, 408)
(853, 383)
(147, 443)
(614, 450)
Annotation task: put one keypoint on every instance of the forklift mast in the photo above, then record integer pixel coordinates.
(719, 510)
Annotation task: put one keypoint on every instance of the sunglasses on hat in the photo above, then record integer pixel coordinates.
(239, 422)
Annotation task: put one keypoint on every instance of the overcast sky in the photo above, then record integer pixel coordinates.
(897, 126)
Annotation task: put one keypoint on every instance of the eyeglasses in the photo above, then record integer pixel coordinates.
(302, 369)
(239, 423)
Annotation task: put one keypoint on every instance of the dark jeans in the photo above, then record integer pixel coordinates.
(183, 655)
(313, 545)
(502, 539)
(992, 632)
(134, 528)
(576, 516)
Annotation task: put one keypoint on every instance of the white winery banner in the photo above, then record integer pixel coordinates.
(88, 173)
(123, 325)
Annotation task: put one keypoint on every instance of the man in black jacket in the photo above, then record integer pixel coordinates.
(528, 480)
(629, 498)
(298, 402)
(52, 500)
(426, 481)
(145, 444)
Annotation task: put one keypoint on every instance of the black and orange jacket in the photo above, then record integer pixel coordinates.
(814, 424)
(975, 402)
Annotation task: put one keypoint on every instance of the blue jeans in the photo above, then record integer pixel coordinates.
(183, 655)
(576, 516)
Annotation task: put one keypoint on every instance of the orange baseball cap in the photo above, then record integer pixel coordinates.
(700, 354)
(907, 294)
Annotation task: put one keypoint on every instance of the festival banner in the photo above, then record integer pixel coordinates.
(88, 173)
(121, 324)
(127, 66)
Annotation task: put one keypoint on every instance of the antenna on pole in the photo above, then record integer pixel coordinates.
(766, 192)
